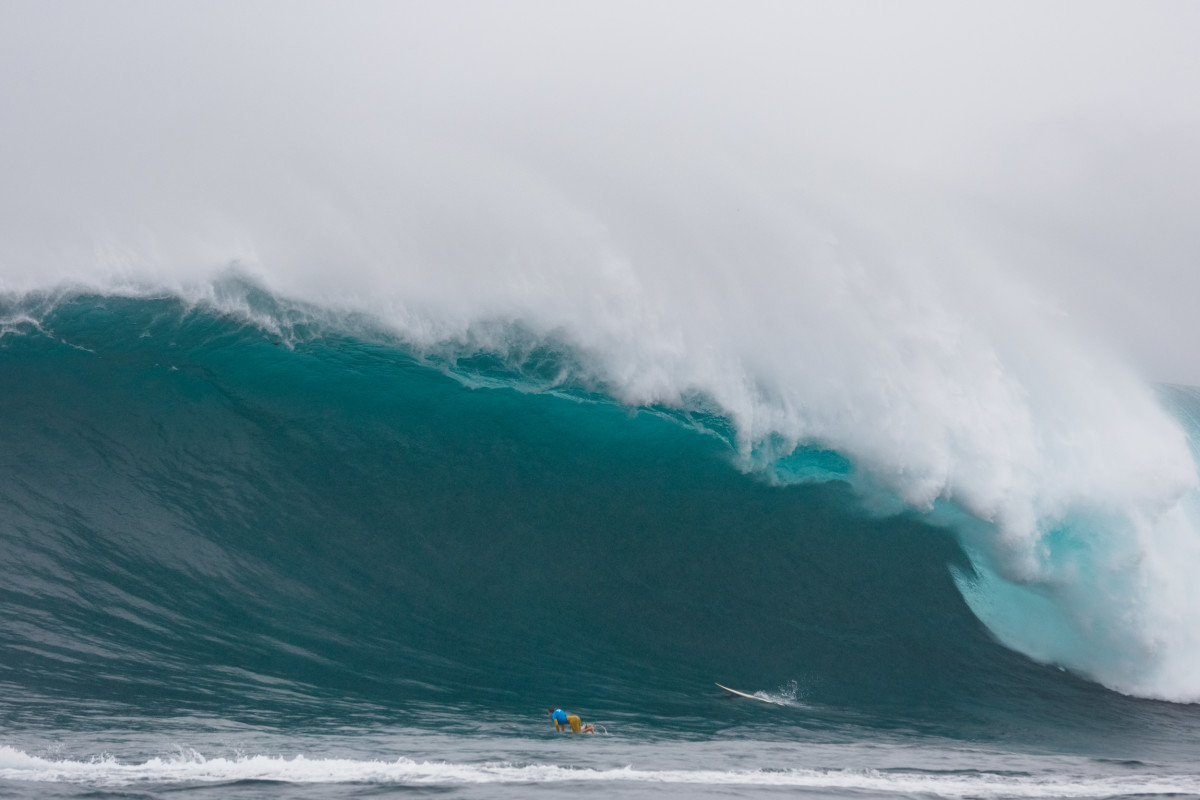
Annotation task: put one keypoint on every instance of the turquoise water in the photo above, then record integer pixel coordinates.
(311, 560)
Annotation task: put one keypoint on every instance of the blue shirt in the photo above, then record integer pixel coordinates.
(559, 716)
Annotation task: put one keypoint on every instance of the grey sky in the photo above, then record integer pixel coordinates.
(1059, 138)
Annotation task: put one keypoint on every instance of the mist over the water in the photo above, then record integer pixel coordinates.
(950, 243)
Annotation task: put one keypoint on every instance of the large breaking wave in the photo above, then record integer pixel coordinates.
(365, 498)
(798, 245)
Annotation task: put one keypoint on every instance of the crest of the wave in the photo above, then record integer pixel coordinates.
(190, 768)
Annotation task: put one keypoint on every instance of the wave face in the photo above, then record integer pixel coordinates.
(286, 508)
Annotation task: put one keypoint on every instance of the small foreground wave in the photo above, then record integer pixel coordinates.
(190, 767)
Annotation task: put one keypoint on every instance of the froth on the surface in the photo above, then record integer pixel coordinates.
(191, 768)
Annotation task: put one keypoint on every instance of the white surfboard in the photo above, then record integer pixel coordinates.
(749, 696)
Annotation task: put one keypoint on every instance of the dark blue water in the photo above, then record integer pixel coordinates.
(313, 562)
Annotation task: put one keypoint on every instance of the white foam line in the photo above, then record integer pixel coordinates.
(191, 767)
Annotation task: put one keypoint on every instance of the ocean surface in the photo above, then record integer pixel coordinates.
(267, 550)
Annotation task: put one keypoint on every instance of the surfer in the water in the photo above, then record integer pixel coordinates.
(569, 722)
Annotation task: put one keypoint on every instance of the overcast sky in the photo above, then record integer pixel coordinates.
(1063, 136)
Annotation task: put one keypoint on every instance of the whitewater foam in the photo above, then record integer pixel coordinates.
(191, 768)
